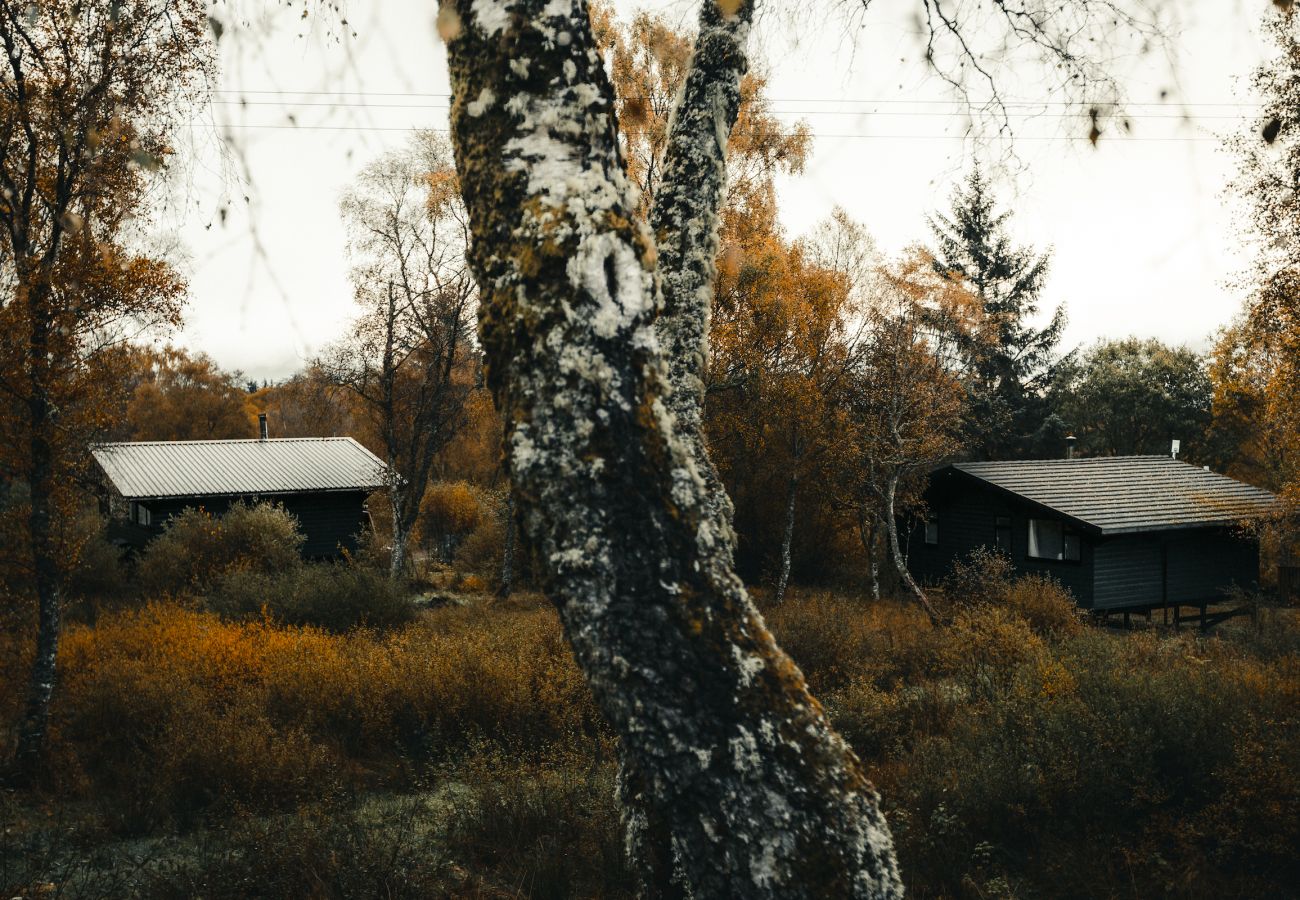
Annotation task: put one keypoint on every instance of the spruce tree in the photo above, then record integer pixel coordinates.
(1009, 363)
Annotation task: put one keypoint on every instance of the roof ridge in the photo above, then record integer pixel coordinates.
(281, 440)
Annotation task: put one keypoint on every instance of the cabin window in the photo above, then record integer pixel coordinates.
(932, 531)
(140, 514)
(1002, 534)
(1052, 540)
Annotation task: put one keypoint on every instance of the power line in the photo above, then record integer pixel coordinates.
(815, 134)
(1031, 104)
(440, 107)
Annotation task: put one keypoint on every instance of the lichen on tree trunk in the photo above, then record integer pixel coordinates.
(684, 221)
(737, 760)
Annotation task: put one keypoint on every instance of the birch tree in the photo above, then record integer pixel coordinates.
(907, 407)
(784, 341)
(594, 332)
(91, 95)
(1256, 360)
(406, 358)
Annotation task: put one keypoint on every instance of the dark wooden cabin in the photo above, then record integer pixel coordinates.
(323, 482)
(1122, 533)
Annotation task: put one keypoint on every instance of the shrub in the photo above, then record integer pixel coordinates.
(98, 573)
(197, 549)
(1050, 609)
(481, 552)
(333, 596)
(1014, 759)
(551, 829)
(450, 511)
(984, 576)
(169, 715)
(836, 640)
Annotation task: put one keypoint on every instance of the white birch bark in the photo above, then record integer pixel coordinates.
(760, 796)
(787, 538)
(896, 552)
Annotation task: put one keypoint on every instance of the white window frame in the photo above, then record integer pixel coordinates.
(1067, 537)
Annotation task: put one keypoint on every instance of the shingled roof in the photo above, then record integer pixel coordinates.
(1122, 494)
(152, 470)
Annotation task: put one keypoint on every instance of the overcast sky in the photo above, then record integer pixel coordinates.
(1140, 227)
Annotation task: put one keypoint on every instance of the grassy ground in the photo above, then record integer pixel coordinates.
(1019, 752)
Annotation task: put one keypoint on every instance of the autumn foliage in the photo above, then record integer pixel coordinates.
(1017, 747)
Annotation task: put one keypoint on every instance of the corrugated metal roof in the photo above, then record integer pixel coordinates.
(237, 468)
(1120, 494)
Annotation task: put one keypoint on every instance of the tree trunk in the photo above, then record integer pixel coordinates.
(867, 532)
(684, 219)
(733, 756)
(397, 556)
(694, 179)
(787, 537)
(34, 729)
(508, 551)
(891, 526)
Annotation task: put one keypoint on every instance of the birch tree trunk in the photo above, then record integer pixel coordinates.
(896, 552)
(867, 532)
(760, 796)
(397, 555)
(508, 550)
(684, 221)
(34, 729)
(787, 537)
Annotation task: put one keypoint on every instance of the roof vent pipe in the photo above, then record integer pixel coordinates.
(1069, 446)
(1174, 447)
(261, 424)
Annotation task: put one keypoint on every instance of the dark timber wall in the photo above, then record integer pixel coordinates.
(968, 519)
(330, 521)
(1190, 566)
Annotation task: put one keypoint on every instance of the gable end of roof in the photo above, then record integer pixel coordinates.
(1124, 494)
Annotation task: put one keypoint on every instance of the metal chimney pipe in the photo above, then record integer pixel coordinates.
(1069, 446)
(261, 424)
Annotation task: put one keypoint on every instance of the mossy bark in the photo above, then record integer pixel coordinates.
(684, 221)
(737, 760)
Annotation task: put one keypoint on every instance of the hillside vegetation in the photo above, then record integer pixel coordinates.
(1019, 752)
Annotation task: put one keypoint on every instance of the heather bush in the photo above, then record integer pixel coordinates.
(170, 714)
(333, 596)
(196, 549)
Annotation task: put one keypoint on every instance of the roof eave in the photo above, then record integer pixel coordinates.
(360, 489)
(1081, 524)
(1175, 526)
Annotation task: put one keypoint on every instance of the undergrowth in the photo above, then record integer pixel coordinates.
(1018, 751)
